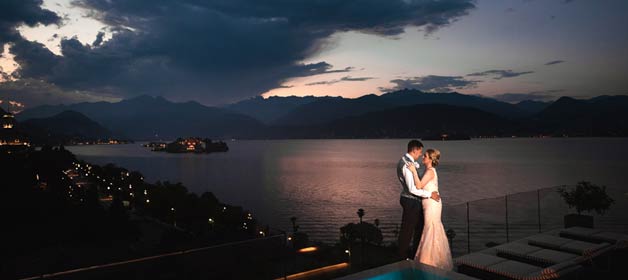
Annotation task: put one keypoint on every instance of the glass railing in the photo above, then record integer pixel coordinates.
(483, 223)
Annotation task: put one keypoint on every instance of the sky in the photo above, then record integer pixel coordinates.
(222, 51)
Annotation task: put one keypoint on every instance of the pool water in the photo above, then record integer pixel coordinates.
(407, 273)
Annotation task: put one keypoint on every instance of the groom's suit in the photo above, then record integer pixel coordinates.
(412, 217)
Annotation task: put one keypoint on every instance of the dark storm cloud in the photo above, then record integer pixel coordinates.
(554, 62)
(219, 51)
(499, 74)
(343, 79)
(432, 83)
(33, 93)
(14, 13)
(536, 96)
(99, 38)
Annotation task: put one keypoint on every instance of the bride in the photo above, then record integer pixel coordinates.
(434, 246)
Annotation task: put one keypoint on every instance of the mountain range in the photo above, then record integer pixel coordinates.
(62, 127)
(404, 113)
(295, 111)
(155, 118)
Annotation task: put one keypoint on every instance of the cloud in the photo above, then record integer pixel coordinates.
(546, 95)
(499, 74)
(431, 83)
(33, 93)
(218, 51)
(343, 79)
(554, 62)
(99, 39)
(14, 13)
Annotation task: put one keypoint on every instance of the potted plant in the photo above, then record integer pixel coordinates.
(585, 197)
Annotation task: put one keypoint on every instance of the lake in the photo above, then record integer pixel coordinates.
(324, 182)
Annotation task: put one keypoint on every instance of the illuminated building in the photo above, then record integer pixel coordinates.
(11, 141)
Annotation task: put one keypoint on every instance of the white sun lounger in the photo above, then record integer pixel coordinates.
(596, 236)
(581, 248)
(535, 255)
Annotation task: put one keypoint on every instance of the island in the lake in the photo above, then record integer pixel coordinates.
(189, 145)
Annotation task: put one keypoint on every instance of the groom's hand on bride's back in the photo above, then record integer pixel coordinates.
(435, 196)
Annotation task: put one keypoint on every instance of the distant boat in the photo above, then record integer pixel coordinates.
(446, 137)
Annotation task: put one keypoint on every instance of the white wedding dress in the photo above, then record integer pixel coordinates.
(434, 246)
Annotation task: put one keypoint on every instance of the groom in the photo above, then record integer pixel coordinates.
(412, 217)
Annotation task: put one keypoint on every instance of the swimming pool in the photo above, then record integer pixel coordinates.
(408, 273)
(407, 269)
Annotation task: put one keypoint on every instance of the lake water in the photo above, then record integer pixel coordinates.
(324, 182)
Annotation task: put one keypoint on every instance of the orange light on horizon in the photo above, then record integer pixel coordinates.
(308, 249)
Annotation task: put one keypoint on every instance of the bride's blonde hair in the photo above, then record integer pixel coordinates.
(434, 156)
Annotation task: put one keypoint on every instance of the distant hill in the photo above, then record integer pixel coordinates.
(411, 96)
(370, 116)
(599, 116)
(405, 122)
(414, 121)
(532, 107)
(267, 110)
(152, 118)
(325, 110)
(67, 125)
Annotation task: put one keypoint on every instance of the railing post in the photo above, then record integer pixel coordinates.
(507, 229)
(468, 231)
(538, 205)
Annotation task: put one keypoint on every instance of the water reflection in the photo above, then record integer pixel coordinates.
(323, 182)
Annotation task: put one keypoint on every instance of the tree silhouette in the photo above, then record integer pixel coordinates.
(293, 220)
(360, 214)
(586, 197)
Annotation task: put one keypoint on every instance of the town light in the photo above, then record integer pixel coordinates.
(308, 249)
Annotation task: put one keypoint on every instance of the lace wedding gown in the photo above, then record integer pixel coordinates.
(434, 246)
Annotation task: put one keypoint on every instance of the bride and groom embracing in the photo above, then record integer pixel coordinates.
(421, 218)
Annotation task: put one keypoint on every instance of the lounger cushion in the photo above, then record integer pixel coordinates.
(548, 241)
(479, 260)
(583, 248)
(517, 248)
(552, 256)
(611, 237)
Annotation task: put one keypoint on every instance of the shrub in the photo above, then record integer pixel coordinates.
(586, 196)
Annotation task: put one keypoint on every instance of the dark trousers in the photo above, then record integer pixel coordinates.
(411, 226)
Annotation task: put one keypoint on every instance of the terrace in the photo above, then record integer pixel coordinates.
(519, 236)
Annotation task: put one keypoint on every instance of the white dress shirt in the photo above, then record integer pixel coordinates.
(409, 178)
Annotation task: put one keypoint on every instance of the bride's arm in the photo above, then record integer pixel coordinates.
(418, 182)
(416, 191)
(415, 174)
